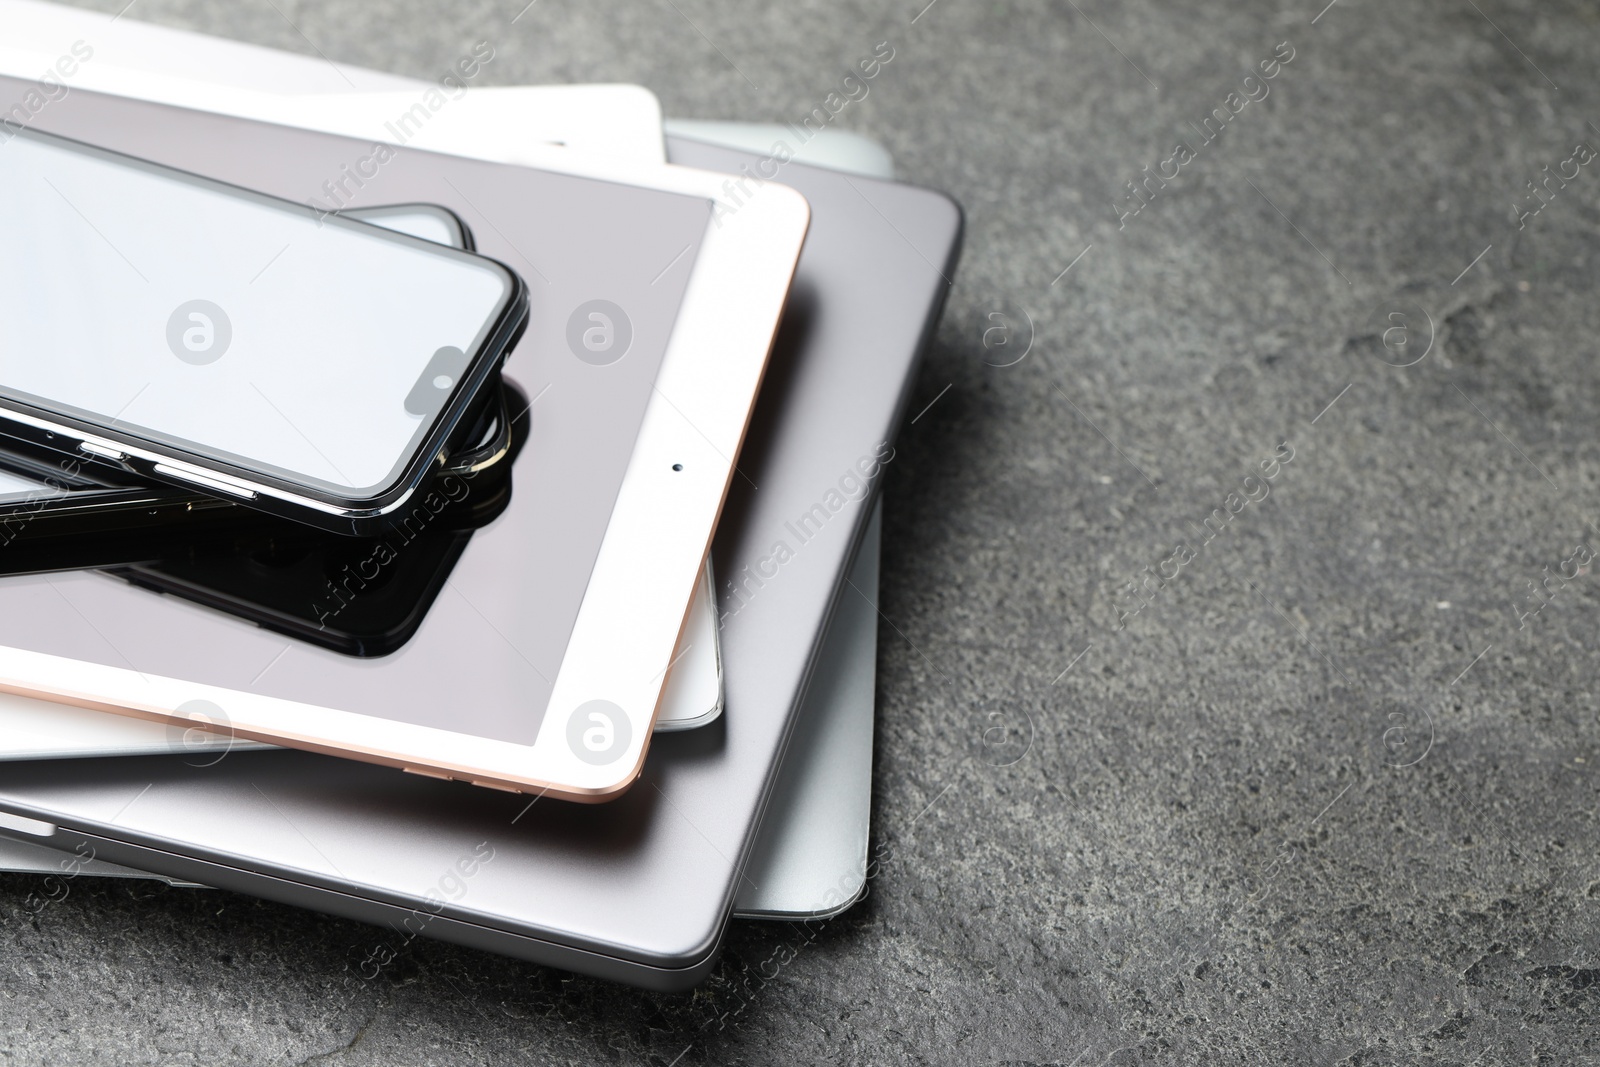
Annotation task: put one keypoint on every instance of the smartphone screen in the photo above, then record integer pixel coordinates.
(227, 324)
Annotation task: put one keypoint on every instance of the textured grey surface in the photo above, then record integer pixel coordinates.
(1197, 844)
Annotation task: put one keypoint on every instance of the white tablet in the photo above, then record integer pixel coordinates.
(487, 122)
(617, 120)
(665, 356)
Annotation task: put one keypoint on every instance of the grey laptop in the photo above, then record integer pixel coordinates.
(639, 890)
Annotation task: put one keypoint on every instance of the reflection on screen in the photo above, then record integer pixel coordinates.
(15, 489)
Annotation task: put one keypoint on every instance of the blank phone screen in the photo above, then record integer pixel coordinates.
(225, 323)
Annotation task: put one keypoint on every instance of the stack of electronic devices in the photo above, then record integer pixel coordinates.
(427, 504)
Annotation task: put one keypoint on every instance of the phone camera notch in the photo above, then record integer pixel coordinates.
(436, 381)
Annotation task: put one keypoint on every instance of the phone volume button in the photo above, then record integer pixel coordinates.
(216, 485)
(103, 451)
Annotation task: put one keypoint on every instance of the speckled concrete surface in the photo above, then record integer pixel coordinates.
(1328, 796)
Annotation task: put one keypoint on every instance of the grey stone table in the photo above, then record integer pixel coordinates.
(1238, 704)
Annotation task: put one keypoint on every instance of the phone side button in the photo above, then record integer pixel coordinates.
(216, 485)
(103, 451)
(426, 773)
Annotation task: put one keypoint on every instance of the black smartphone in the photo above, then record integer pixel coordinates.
(54, 517)
(60, 512)
(358, 596)
(303, 363)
